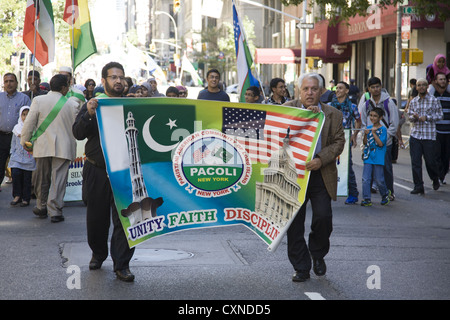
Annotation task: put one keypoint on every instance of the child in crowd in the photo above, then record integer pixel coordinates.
(172, 92)
(22, 164)
(375, 138)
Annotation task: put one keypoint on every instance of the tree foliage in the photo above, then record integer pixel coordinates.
(12, 15)
(217, 40)
(342, 10)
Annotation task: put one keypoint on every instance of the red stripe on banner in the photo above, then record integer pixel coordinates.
(300, 166)
(289, 117)
(309, 128)
(299, 146)
(283, 125)
(300, 156)
(302, 132)
(304, 136)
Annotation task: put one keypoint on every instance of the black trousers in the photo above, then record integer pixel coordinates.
(321, 226)
(443, 141)
(21, 183)
(99, 199)
(5, 147)
(428, 150)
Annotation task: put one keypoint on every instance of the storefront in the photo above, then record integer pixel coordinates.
(373, 39)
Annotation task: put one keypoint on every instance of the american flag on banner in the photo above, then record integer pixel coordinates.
(201, 153)
(263, 132)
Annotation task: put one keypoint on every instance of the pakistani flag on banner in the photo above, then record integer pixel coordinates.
(178, 164)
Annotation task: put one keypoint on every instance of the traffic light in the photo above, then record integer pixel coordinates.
(313, 63)
(412, 57)
(415, 57)
(176, 6)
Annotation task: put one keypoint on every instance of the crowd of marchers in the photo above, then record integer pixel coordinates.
(39, 128)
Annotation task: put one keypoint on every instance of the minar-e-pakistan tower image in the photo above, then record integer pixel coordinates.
(143, 207)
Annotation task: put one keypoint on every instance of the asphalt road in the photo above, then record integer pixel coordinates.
(401, 251)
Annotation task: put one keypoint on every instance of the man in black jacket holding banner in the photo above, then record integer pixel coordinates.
(97, 193)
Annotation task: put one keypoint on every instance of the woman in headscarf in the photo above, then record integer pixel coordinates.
(439, 65)
(153, 90)
(146, 88)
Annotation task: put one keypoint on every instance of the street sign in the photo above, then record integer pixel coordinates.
(303, 25)
(409, 10)
(406, 28)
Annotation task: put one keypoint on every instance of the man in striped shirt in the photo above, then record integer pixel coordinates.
(443, 125)
(424, 110)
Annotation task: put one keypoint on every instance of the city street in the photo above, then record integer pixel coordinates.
(400, 251)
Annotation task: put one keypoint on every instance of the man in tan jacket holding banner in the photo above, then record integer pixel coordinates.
(322, 186)
(47, 132)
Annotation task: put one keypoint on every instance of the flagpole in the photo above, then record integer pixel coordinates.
(36, 25)
(181, 71)
(73, 40)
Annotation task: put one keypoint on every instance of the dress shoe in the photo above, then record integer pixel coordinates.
(15, 202)
(436, 184)
(25, 204)
(300, 276)
(41, 213)
(319, 267)
(95, 264)
(418, 191)
(125, 275)
(56, 219)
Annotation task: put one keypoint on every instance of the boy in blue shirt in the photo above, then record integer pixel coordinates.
(375, 138)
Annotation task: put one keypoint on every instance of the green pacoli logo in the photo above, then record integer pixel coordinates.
(212, 178)
(211, 164)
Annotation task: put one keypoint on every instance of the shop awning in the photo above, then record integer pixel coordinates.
(278, 56)
(286, 56)
(323, 43)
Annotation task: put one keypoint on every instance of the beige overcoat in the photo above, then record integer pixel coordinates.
(57, 140)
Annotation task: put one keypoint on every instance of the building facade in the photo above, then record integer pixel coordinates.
(362, 47)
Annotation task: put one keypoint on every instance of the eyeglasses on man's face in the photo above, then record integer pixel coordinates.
(115, 78)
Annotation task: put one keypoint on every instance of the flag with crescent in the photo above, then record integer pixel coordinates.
(178, 164)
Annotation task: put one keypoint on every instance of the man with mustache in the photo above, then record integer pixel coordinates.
(10, 103)
(97, 193)
(322, 186)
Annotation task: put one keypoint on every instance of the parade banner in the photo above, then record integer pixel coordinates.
(178, 164)
(74, 183)
(342, 163)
